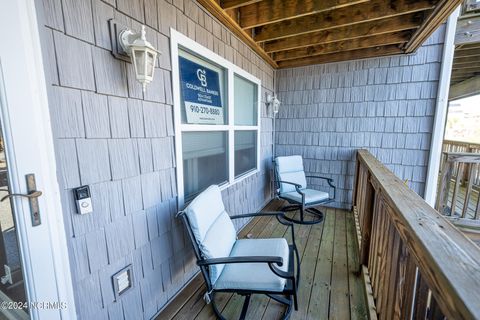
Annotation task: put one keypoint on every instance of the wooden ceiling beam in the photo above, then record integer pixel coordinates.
(232, 4)
(466, 68)
(462, 75)
(347, 45)
(214, 8)
(371, 11)
(271, 11)
(463, 78)
(439, 15)
(464, 89)
(467, 53)
(467, 46)
(389, 25)
(464, 60)
(342, 56)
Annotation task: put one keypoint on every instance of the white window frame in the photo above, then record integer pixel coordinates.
(179, 40)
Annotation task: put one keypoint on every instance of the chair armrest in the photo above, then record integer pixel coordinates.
(292, 183)
(297, 188)
(278, 214)
(249, 215)
(329, 181)
(246, 259)
(271, 260)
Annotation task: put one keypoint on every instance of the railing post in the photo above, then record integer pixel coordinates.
(467, 168)
(468, 193)
(445, 177)
(369, 200)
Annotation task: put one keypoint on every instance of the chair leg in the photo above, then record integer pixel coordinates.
(245, 307)
(214, 306)
(295, 301)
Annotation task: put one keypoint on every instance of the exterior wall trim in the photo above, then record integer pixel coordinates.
(441, 110)
(24, 13)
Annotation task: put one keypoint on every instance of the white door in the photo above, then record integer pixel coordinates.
(34, 266)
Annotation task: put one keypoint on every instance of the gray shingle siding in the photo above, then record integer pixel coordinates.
(111, 136)
(120, 141)
(386, 105)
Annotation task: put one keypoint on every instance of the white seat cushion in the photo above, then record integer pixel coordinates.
(290, 169)
(311, 196)
(255, 276)
(212, 227)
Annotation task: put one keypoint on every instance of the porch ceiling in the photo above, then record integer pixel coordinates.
(291, 33)
(466, 62)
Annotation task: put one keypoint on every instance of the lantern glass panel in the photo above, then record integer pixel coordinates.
(150, 63)
(140, 62)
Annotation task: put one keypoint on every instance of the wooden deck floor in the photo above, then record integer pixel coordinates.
(328, 287)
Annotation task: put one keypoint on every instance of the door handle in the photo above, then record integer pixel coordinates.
(32, 197)
(33, 194)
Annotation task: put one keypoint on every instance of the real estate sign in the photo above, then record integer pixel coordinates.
(200, 88)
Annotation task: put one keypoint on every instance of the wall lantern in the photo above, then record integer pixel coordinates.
(133, 47)
(274, 102)
(142, 52)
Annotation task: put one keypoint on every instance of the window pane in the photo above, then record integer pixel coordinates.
(246, 102)
(202, 90)
(245, 151)
(205, 161)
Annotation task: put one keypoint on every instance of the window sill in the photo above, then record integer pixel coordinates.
(239, 179)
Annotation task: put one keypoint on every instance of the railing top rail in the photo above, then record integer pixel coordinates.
(467, 157)
(449, 262)
(461, 143)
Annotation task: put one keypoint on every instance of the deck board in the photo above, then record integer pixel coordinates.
(328, 286)
(358, 309)
(339, 300)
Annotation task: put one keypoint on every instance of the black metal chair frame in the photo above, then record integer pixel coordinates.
(287, 297)
(302, 206)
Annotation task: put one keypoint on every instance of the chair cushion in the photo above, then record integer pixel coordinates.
(311, 196)
(290, 169)
(255, 276)
(212, 227)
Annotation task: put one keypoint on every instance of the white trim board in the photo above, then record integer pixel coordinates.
(178, 39)
(28, 132)
(441, 109)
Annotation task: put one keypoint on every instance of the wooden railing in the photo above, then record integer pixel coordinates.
(420, 266)
(461, 147)
(463, 163)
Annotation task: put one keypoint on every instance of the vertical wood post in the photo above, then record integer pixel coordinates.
(446, 175)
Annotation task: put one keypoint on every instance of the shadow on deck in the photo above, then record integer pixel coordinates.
(328, 286)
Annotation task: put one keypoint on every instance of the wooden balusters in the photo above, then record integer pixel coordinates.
(418, 264)
(472, 168)
(466, 191)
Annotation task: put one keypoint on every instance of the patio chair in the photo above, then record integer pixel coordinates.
(291, 185)
(242, 266)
